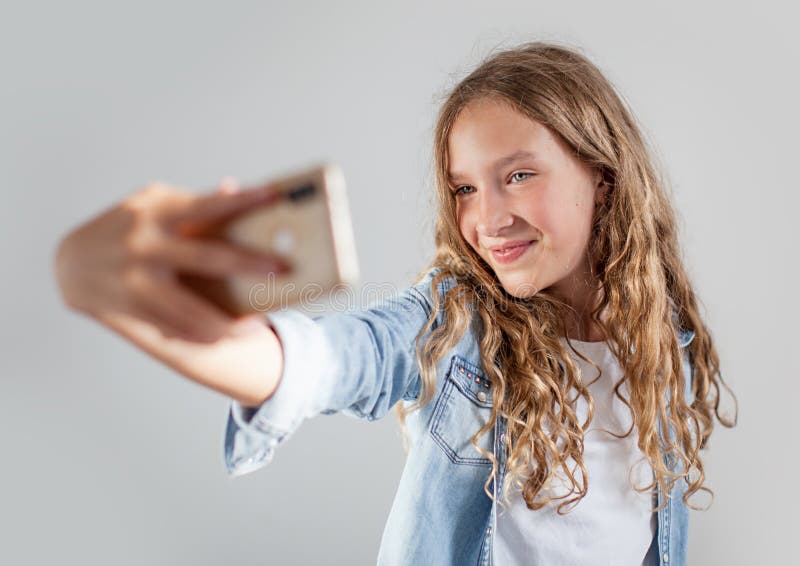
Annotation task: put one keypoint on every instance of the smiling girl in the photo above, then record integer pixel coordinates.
(550, 367)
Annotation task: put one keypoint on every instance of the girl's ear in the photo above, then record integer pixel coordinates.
(601, 189)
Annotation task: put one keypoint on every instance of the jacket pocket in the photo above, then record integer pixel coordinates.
(464, 405)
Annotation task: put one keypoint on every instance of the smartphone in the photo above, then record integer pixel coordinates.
(309, 226)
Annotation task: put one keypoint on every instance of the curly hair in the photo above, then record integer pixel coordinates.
(644, 287)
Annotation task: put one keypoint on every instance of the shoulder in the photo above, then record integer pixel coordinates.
(423, 290)
(429, 279)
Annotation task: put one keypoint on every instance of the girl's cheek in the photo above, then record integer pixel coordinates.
(467, 229)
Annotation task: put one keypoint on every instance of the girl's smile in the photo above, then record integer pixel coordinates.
(508, 252)
(516, 182)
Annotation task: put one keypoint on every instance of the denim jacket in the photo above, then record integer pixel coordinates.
(361, 362)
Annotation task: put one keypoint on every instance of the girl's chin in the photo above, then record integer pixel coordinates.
(520, 289)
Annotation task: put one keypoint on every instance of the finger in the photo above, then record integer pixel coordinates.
(141, 324)
(190, 315)
(210, 208)
(146, 313)
(215, 258)
(143, 304)
(203, 325)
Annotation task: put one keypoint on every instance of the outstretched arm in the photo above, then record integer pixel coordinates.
(120, 268)
(359, 362)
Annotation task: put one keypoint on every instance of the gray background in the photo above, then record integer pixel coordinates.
(110, 458)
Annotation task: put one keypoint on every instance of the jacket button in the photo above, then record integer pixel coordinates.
(666, 557)
(489, 531)
(481, 396)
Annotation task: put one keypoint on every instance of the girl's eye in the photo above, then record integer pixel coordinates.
(465, 189)
(521, 173)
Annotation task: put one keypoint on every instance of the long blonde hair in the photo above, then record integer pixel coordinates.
(644, 287)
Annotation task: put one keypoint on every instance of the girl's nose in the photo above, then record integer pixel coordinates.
(494, 215)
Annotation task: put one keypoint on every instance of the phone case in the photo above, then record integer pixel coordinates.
(309, 226)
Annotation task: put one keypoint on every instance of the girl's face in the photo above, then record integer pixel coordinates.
(517, 183)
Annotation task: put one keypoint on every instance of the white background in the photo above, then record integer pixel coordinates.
(110, 458)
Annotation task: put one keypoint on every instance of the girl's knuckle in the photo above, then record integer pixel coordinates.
(145, 199)
(156, 188)
(143, 241)
(133, 279)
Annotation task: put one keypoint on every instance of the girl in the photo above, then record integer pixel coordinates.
(553, 344)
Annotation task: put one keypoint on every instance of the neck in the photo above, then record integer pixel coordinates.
(585, 330)
(583, 299)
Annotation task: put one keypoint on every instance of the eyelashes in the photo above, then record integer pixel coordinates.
(457, 191)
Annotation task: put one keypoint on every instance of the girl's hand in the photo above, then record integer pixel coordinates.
(127, 258)
(120, 268)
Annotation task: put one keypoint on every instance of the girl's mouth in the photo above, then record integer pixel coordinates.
(509, 254)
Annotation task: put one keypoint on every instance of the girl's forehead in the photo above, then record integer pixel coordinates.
(485, 108)
(494, 122)
(495, 133)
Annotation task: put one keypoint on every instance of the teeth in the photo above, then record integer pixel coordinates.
(506, 250)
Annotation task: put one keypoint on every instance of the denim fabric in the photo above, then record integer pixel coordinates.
(361, 363)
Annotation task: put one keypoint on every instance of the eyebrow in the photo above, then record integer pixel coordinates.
(521, 154)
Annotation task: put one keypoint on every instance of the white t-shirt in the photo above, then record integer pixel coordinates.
(613, 523)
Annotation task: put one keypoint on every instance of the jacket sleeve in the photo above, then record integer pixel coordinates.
(359, 362)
